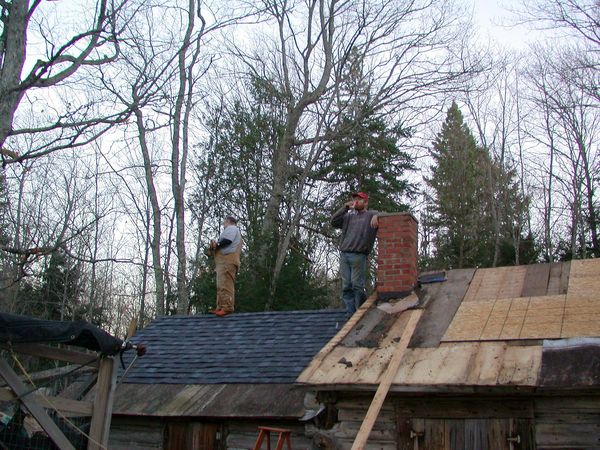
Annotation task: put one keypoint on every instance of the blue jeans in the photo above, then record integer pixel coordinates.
(353, 268)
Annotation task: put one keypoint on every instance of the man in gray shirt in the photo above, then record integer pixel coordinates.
(359, 230)
(227, 262)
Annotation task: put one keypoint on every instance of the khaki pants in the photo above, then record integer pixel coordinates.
(226, 267)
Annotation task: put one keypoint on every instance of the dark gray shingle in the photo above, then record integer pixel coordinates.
(265, 347)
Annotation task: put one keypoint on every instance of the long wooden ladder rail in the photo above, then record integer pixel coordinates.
(265, 432)
(386, 381)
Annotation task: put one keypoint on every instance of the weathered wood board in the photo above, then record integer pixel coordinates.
(536, 280)
(439, 311)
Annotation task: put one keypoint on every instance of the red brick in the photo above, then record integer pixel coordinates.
(397, 259)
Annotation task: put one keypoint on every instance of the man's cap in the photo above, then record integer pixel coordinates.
(361, 195)
(231, 219)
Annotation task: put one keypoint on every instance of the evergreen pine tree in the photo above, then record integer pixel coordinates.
(463, 236)
(57, 297)
(237, 159)
(366, 156)
(476, 209)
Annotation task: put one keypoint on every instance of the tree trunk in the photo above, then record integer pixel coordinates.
(156, 215)
(12, 53)
(280, 179)
(180, 142)
(589, 193)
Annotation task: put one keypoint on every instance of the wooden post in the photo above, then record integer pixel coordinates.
(102, 411)
(386, 381)
(34, 408)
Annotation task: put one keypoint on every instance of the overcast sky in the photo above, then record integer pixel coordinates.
(493, 17)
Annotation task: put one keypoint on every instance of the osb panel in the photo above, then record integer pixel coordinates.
(585, 328)
(513, 282)
(584, 279)
(476, 281)
(550, 317)
(494, 283)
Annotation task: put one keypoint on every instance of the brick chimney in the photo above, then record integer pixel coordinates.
(397, 257)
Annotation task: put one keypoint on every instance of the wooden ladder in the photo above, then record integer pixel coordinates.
(265, 432)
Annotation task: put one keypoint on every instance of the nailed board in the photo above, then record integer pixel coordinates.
(536, 280)
(307, 374)
(499, 282)
(445, 299)
(526, 281)
(471, 364)
(549, 317)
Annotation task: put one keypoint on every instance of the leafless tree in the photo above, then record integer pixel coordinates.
(493, 104)
(571, 123)
(43, 47)
(160, 74)
(576, 19)
(413, 52)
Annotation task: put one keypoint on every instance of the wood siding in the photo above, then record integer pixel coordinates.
(136, 434)
(147, 433)
(568, 422)
(475, 423)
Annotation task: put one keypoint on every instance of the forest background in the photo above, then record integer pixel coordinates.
(130, 129)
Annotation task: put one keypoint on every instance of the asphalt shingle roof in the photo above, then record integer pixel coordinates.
(265, 347)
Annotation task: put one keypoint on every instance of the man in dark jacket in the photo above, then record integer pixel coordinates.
(359, 229)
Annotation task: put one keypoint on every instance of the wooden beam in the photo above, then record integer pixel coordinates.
(67, 407)
(34, 408)
(386, 381)
(44, 375)
(304, 377)
(61, 354)
(102, 411)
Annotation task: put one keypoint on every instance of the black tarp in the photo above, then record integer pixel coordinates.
(28, 330)
(570, 363)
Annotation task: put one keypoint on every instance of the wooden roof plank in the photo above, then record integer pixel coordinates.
(348, 326)
(375, 367)
(554, 279)
(386, 381)
(565, 274)
(331, 365)
(521, 365)
(457, 364)
(421, 366)
(536, 280)
(488, 362)
(358, 365)
(445, 300)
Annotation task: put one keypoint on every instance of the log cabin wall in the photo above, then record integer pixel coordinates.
(147, 433)
(506, 422)
(568, 422)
